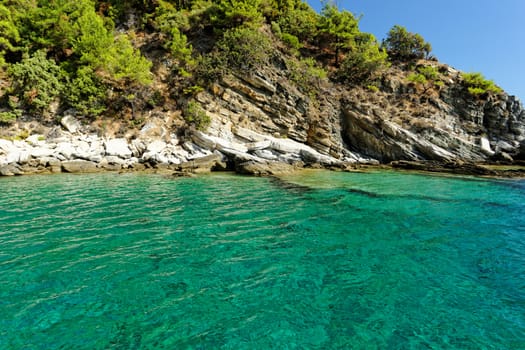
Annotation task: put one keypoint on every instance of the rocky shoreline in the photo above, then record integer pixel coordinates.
(72, 148)
(69, 149)
(261, 155)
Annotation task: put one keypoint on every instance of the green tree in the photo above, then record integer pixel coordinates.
(337, 29)
(363, 63)
(113, 58)
(86, 92)
(300, 21)
(9, 36)
(404, 45)
(233, 13)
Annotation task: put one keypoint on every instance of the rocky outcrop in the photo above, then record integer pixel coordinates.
(234, 148)
(262, 124)
(443, 125)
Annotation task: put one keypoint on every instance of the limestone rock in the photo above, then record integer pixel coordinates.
(79, 166)
(70, 123)
(204, 164)
(264, 168)
(118, 147)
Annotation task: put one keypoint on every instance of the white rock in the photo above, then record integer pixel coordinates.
(203, 140)
(36, 140)
(248, 135)
(504, 146)
(156, 146)
(192, 148)
(40, 152)
(287, 145)
(265, 154)
(65, 149)
(137, 147)
(118, 147)
(485, 146)
(13, 156)
(70, 123)
(5, 145)
(114, 160)
(259, 145)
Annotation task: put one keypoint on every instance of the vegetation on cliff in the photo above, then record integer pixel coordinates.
(123, 59)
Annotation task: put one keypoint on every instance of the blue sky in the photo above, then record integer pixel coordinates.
(486, 36)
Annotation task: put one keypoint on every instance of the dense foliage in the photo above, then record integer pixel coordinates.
(84, 54)
(427, 77)
(477, 85)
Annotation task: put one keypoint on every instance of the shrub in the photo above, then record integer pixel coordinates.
(363, 62)
(426, 76)
(403, 45)
(306, 74)
(477, 84)
(8, 117)
(37, 81)
(292, 41)
(195, 115)
(244, 49)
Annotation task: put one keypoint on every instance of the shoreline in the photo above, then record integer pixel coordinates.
(491, 171)
(242, 151)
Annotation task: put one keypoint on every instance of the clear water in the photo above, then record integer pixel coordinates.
(314, 261)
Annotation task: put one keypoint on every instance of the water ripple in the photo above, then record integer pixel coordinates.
(325, 261)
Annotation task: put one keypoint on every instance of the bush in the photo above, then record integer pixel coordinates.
(195, 115)
(8, 117)
(426, 76)
(363, 63)
(37, 81)
(403, 45)
(477, 84)
(245, 49)
(300, 22)
(86, 93)
(306, 74)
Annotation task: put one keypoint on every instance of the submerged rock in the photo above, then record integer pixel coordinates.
(79, 166)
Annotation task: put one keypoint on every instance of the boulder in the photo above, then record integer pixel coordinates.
(207, 163)
(79, 166)
(485, 146)
(65, 149)
(118, 147)
(11, 170)
(40, 152)
(70, 123)
(138, 147)
(156, 146)
(265, 154)
(264, 168)
(5, 145)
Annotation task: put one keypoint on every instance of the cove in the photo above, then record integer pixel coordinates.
(318, 260)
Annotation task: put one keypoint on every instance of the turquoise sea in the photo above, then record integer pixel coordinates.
(316, 260)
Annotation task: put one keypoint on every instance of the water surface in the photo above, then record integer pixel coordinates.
(316, 260)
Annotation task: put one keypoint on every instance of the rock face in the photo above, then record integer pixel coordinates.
(442, 125)
(262, 124)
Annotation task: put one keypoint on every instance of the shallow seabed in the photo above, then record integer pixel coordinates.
(315, 260)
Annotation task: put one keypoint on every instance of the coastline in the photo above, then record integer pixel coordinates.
(70, 149)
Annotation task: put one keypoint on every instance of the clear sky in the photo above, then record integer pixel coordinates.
(486, 36)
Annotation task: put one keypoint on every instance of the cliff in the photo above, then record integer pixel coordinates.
(271, 117)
